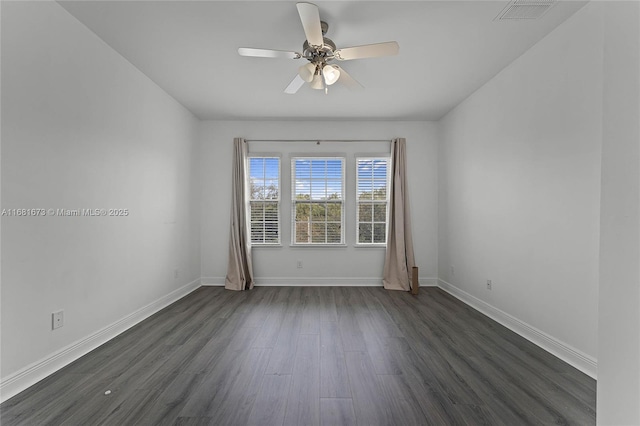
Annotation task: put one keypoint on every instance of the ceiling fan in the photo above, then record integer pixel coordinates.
(320, 51)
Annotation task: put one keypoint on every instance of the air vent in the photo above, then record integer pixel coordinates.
(525, 9)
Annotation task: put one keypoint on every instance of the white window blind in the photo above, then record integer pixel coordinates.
(372, 200)
(264, 201)
(317, 190)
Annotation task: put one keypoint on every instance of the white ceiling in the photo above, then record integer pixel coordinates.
(448, 49)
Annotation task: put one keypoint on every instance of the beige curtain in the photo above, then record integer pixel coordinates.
(399, 259)
(239, 269)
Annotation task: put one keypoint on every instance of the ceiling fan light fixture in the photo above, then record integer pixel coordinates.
(306, 72)
(331, 74)
(318, 82)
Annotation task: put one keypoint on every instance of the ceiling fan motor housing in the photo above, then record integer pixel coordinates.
(323, 53)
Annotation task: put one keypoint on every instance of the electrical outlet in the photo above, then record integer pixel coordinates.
(176, 273)
(488, 284)
(299, 264)
(57, 319)
(453, 271)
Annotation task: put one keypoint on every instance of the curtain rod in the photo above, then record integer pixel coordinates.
(318, 140)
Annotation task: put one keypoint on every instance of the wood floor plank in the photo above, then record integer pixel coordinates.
(303, 403)
(474, 415)
(328, 311)
(96, 407)
(505, 336)
(313, 355)
(236, 406)
(270, 328)
(234, 301)
(519, 367)
(542, 388)
(377, 319)
(337, 411)
(437, 407)
(424, 341)
(28, 403)
(122, 411)
(89, 404)
(369, 403)
(404, 408)
(310, 322)
(255, 309)
(582, 393)
(219, 380)
(522, 399)
(193, 421)
(284, 350)
(334, 379)
(86, 395)
(347, 310)
(207, 354)
(190, 320)
(381, 357)
(165, 408)
(271, 401)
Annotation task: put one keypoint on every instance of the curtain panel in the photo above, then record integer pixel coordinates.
(399, 257)
(240, 268)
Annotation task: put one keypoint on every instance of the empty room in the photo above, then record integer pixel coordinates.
(329, 213)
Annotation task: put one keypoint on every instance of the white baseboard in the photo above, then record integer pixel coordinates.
(212, 281)
(316, 281)
(562, 350)
(30, 375)
(428, 282)
(319, 281)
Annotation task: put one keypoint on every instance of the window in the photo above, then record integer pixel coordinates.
(317, 188)
(372, 200)
(264, 201)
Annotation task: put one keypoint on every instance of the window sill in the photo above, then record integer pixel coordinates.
(266, 246)
(305, 246)
(371, 246)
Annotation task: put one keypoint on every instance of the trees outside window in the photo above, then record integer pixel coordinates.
(317, 200)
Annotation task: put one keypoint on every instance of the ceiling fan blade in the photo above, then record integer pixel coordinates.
(389, 48)
(294, 86)
(348, 81)
(310, 17)
(268, 53)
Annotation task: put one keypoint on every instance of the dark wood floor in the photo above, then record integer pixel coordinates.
(308, 355)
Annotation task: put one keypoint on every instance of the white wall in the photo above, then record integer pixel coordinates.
(350, 265)
(619, 309)
(519, 196)
(82, 128)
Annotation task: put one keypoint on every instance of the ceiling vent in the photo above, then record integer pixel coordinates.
(525, 9)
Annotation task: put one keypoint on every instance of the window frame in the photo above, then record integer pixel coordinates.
(386, 201)
(278, 201)
(342, 201)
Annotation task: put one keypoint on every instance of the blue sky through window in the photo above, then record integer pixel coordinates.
(372, 175)
(263, 168)
(264, 177)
